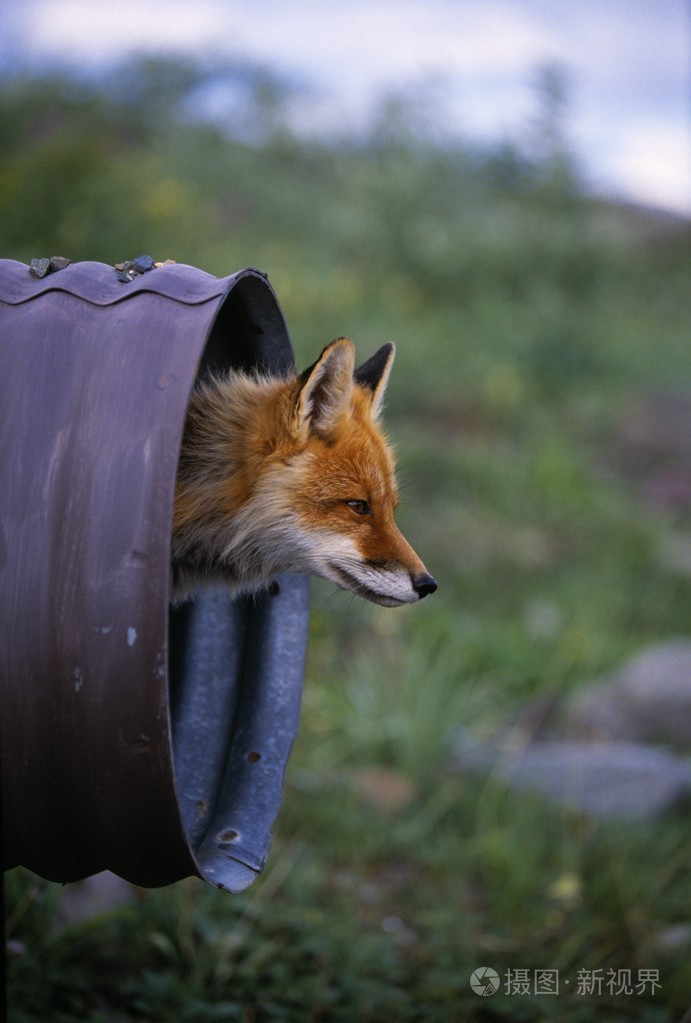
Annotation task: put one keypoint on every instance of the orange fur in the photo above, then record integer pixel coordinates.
(293, 475)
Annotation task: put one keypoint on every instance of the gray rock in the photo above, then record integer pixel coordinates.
(658, 425)
(604, 780)
(142, 264)
(59, 263)
(595, 753)
(97, 894)
(39, 267)
(648, 700)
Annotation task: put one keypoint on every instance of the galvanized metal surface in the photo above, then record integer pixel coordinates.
(154, 750)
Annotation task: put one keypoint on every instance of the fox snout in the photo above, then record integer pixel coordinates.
(385, 584)
(387, 589)
(424, 585)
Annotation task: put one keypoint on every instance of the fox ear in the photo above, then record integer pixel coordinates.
(374, 375)
(326, 388)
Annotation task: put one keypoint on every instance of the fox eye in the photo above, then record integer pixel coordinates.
(360, 507)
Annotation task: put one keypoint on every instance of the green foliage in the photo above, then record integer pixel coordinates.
(527, 317)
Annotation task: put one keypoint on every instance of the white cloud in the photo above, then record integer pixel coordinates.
(628, 61)
(400, 38)
(92, 31)
(651, 163)
(382, 40)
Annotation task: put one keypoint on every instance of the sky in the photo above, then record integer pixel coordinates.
(628, 64)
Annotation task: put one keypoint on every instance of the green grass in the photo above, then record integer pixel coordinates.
(525, 328)
(377, 915)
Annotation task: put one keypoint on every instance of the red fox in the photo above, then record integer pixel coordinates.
(293, 475)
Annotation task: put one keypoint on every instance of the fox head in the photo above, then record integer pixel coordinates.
(295, 476)
(347, 495)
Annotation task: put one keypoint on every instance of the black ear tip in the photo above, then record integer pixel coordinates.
(385, 353)
(372, 371)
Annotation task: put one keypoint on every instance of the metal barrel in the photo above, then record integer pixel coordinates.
(149, 742)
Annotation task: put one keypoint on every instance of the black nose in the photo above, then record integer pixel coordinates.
(424, 585)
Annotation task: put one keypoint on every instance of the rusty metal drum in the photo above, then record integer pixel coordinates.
(148, 741)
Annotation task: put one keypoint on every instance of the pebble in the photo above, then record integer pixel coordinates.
(58, 263)
(43, 266)
(39, 267)
(126, 272)
(142, 264)
(133, 268)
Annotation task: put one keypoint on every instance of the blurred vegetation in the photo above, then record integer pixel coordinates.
(529, 318)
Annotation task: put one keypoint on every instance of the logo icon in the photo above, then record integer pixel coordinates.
(484, 981)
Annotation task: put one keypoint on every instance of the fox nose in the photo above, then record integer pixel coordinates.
(424, 585)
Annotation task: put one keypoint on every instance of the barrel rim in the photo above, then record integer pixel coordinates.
(97, 283)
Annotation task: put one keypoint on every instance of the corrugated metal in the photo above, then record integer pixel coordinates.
(129, 742)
